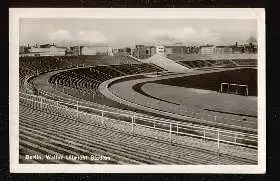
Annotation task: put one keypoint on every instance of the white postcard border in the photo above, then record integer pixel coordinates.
(126, 13)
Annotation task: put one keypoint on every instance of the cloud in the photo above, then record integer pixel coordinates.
(165, 38)
(172, 35)
(207, 36)
(60, 35)
(92, 36)
(186, 34)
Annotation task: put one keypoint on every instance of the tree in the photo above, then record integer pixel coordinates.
(252, 39)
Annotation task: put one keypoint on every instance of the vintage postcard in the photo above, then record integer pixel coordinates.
(137, 90)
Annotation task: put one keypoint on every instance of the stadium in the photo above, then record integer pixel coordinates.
(180, 109)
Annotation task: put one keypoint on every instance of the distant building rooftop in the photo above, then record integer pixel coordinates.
(206, 46)
(224, 46)
(45, 46)
(94, 46)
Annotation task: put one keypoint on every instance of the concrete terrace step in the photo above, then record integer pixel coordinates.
(153, 151)
(234, 150)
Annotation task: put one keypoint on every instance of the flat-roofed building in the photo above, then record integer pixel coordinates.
(94, 50)
(139, 46)
(115, 50)
(153, 50)
(75, 50)
(223, 49)
(179, 49)
(143, 52)
(57, 51)
(48, 50)
(160, 50)
(255, 47)
(21, 49)
(168, 50)
(207, 49)
(110, 51)
(251, 48)
(127, 50)
(140, 51)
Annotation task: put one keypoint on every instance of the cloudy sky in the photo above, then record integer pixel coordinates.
(128, 32)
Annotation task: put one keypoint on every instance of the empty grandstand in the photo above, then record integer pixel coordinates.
(194, 61)
(50, 128)
(63, 111)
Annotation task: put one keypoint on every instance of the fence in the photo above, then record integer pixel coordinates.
(92, 96)
(174, 132)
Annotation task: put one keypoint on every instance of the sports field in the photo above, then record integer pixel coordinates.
(228, 110)
(204, 99)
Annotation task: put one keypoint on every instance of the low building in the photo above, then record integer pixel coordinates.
(115, 50)
(140, 52)
(110, 51)
(255, 47)
(238, 49)
(160, 50)
(193, 50)
(207, 49)
(24, 49)
(143, 52)
(95, 50)
(21, 49)
(48, 50)
(153, 50)
(127, 50)
(251, 48)
(75, 50)
(245, 48)
(168, 50)
(179, 49)
(223, 50)
(140, 46)
(57, 51)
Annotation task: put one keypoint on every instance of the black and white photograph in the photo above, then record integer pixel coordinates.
(134, 90)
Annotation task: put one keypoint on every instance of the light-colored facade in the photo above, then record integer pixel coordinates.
(115, 51)
(160, 50)
(51, 50)
(110, 51)
(57, 51)
(223, 49)
(94, 50)
(207, 50)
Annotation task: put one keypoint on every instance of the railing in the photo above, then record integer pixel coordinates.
(89, 95)
(74, 94)
(176, 131)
